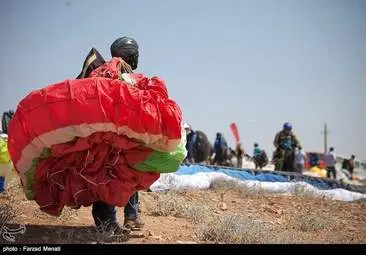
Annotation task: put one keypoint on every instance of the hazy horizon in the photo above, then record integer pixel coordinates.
(256, 63)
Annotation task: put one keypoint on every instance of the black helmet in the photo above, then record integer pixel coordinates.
(127, 49)
(287, 126)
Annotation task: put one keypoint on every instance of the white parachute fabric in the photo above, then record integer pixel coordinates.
(205, 180)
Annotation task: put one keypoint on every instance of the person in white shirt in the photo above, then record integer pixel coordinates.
(330, 161)
(299, 160)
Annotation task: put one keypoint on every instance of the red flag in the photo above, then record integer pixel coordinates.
(235, 131)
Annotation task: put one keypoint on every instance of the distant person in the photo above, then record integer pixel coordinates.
(351, 165)
(330, 162)
(4, 161)
(191, 139)
(261, 161)
(220, 150)
(257, 152)
(240, 153)
(300, 158)
(259, 156)
(198, 146)
(231, 158)
(313, 160)
(285, 143)
(7, 116)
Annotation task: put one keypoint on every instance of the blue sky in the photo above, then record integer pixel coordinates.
(257, 63)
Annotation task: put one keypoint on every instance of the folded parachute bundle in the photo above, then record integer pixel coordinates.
(101, 138)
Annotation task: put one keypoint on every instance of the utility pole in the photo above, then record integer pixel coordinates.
(325, 132)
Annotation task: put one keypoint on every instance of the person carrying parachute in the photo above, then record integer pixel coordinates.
(127, 49)
(106, 136)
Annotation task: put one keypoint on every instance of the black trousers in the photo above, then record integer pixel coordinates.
(106, 214)
(331, 170)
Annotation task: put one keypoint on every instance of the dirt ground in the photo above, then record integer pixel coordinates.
(211, 216)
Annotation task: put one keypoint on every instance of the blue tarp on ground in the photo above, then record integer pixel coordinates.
(248, 174)
(245, 174)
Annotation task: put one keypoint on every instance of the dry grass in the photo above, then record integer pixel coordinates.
(212, 223)
(301, 190)
(312, 222)
(7, 214)
(232, 229)
(16, 204)
(7, 218)
(243, 189)
(170, 203)
(8, 211)
(224, 184)
(225, 229)
(298, 189)
(66, 215)
(104, 234)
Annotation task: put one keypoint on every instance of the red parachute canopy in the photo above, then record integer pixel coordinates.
(80, 141)
(234, 130)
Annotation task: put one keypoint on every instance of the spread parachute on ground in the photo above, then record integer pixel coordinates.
(100, 138)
